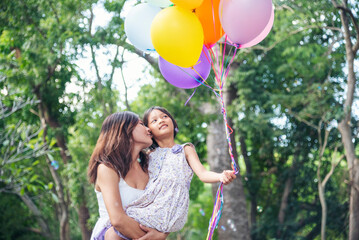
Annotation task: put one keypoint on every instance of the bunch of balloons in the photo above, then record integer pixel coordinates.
(181, 32)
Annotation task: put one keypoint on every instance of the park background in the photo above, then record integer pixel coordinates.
(292, 101)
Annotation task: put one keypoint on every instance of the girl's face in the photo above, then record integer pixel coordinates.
(160, 124)
(142, 135)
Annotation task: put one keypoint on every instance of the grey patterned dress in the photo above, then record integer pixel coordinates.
(164, 204)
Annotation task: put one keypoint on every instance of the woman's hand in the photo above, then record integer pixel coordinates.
(227, 176)
(152, 234)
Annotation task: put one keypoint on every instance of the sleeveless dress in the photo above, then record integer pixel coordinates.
(128, 195)
(164, 203)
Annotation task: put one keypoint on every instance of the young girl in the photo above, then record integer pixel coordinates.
(164, 204)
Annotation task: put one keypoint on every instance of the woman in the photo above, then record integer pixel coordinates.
(118, 169)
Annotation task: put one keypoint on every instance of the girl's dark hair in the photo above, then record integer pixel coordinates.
(164, 110)
(114, 145)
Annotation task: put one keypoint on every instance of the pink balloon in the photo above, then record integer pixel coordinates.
(245, 20)
(262, 35)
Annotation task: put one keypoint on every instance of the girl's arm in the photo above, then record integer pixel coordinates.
(107, 181)
(204, 175)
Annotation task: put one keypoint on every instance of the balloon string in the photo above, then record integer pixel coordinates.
(228, 133)
(232, 44)
(219, 201)
(212, 55)
(217, 212)
(223, 55)
(202, 82)
(218, 63)
(199, 75)
(229, 64)
(209, 59)
(190, 96)
(214, 20)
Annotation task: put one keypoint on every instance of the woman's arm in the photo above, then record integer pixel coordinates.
(107, 181)
(152, 234)
(204, 175)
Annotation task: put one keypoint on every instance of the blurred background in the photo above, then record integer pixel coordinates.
(292, 101)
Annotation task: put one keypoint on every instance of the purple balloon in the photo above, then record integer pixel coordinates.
(187, 77)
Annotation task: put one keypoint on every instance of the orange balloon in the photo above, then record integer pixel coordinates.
(189, 4)
(208, 14)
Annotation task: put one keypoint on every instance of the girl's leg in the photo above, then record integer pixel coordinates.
(111, 235)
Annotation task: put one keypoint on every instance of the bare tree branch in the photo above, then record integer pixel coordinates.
(345, 9)
(16, 105)
(114, 65)
(265, 49)
(301, 119)
(334, 165)
(124, 82)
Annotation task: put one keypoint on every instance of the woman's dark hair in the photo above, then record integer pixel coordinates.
(114, 145)
(164, 110)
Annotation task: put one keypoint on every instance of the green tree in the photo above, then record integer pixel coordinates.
(39, 41)
(293, 76)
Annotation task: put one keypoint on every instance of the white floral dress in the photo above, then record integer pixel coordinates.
(164, 204)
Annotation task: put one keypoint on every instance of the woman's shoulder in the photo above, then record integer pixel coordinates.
(105, 176)
(104, 170)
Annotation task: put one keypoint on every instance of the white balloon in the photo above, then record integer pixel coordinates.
(161, 3)
(138, 25)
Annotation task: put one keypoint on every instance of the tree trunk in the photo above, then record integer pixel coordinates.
(287, 190)
(353, 166)
(284, 202)
(234, 220)
(45, 230)
(84, 215)
(234, 216)
(61, 193)
(249, 174)
(63, 204)
(344, 125)
(323, 203)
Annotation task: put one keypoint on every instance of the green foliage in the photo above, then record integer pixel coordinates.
(15, 219)
(198, 217)
(285, 95)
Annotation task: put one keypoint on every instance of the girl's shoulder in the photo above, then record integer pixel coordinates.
(188, 144)
(188, 148)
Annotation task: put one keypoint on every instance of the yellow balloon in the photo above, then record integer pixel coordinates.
(177, 36)
(190, 4)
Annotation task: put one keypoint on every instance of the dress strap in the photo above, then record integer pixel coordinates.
(189, 144)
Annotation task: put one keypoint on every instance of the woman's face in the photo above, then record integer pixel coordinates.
(160, 124)
(142, 135)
